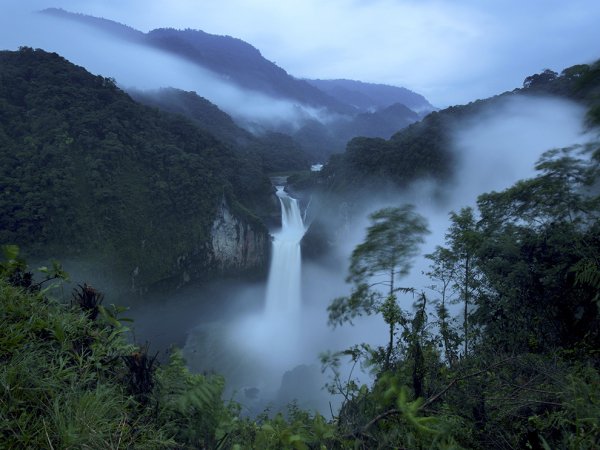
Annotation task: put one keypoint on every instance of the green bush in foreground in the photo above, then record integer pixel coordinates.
(61, 379)
(69, 380)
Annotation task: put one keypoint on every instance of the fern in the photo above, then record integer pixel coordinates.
(587, 272)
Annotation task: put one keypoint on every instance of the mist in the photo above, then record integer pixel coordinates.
(222, 326)
(136, 66)
(494, 150)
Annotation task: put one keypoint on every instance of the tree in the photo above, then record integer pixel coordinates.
(463, 240)
(540, 79)
(443, 272)
(454, 267)
(376, 266)
(576, 71)
(541, 236)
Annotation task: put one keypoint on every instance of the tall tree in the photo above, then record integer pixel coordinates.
(455, 267)
(442, 272)
(463, 240)
(376, 265)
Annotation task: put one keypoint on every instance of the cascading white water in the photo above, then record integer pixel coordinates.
(283, 287)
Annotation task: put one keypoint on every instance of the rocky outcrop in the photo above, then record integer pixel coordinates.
(237, 245)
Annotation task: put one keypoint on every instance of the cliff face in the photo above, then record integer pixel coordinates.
(237, 245)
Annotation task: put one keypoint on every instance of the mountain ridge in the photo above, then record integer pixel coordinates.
(239, 62)
(423, 148)
(245, 65)
(225, 55)
(89, 173)
(372, 96)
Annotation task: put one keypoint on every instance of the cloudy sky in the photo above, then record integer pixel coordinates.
(452, 51)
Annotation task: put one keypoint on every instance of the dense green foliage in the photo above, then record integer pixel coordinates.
(278, 152)
(272, 152)
(417, 152)
(204, 113)
(528, 378)
(85, 170)
(520, 367)
(69, 379)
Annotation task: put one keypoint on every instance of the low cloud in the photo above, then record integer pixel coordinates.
(451, 52)
(494, 149)
(138, 66)
(502, 144)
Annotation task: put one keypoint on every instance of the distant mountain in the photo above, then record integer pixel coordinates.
(326, 139)
(244, 65)
(232, 58)
(382, 123)
(356, 108)
(369, 96)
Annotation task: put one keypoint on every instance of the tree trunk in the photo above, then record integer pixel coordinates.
(388, 355)
(466, 297)
(418, 369)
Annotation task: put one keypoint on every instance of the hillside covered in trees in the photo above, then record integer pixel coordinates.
(275, 152)
(87, 172)
(518, 367)
(424, 148)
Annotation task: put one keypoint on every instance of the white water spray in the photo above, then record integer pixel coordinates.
(283, 287)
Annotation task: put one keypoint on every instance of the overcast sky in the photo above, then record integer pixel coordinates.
(451, 51)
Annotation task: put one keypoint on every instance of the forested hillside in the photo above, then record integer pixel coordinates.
(88, 172)
(518, 366)
(424, 148)
(498, 349)
(322, 140)
(370, 96)
(275, 152)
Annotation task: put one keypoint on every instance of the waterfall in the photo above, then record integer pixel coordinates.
(283, 287)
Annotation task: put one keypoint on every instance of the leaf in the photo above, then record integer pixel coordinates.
(108, 316)
(544, 443)
(10, 252)
(267, 427)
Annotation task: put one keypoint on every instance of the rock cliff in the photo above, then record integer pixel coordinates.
(237, 245)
